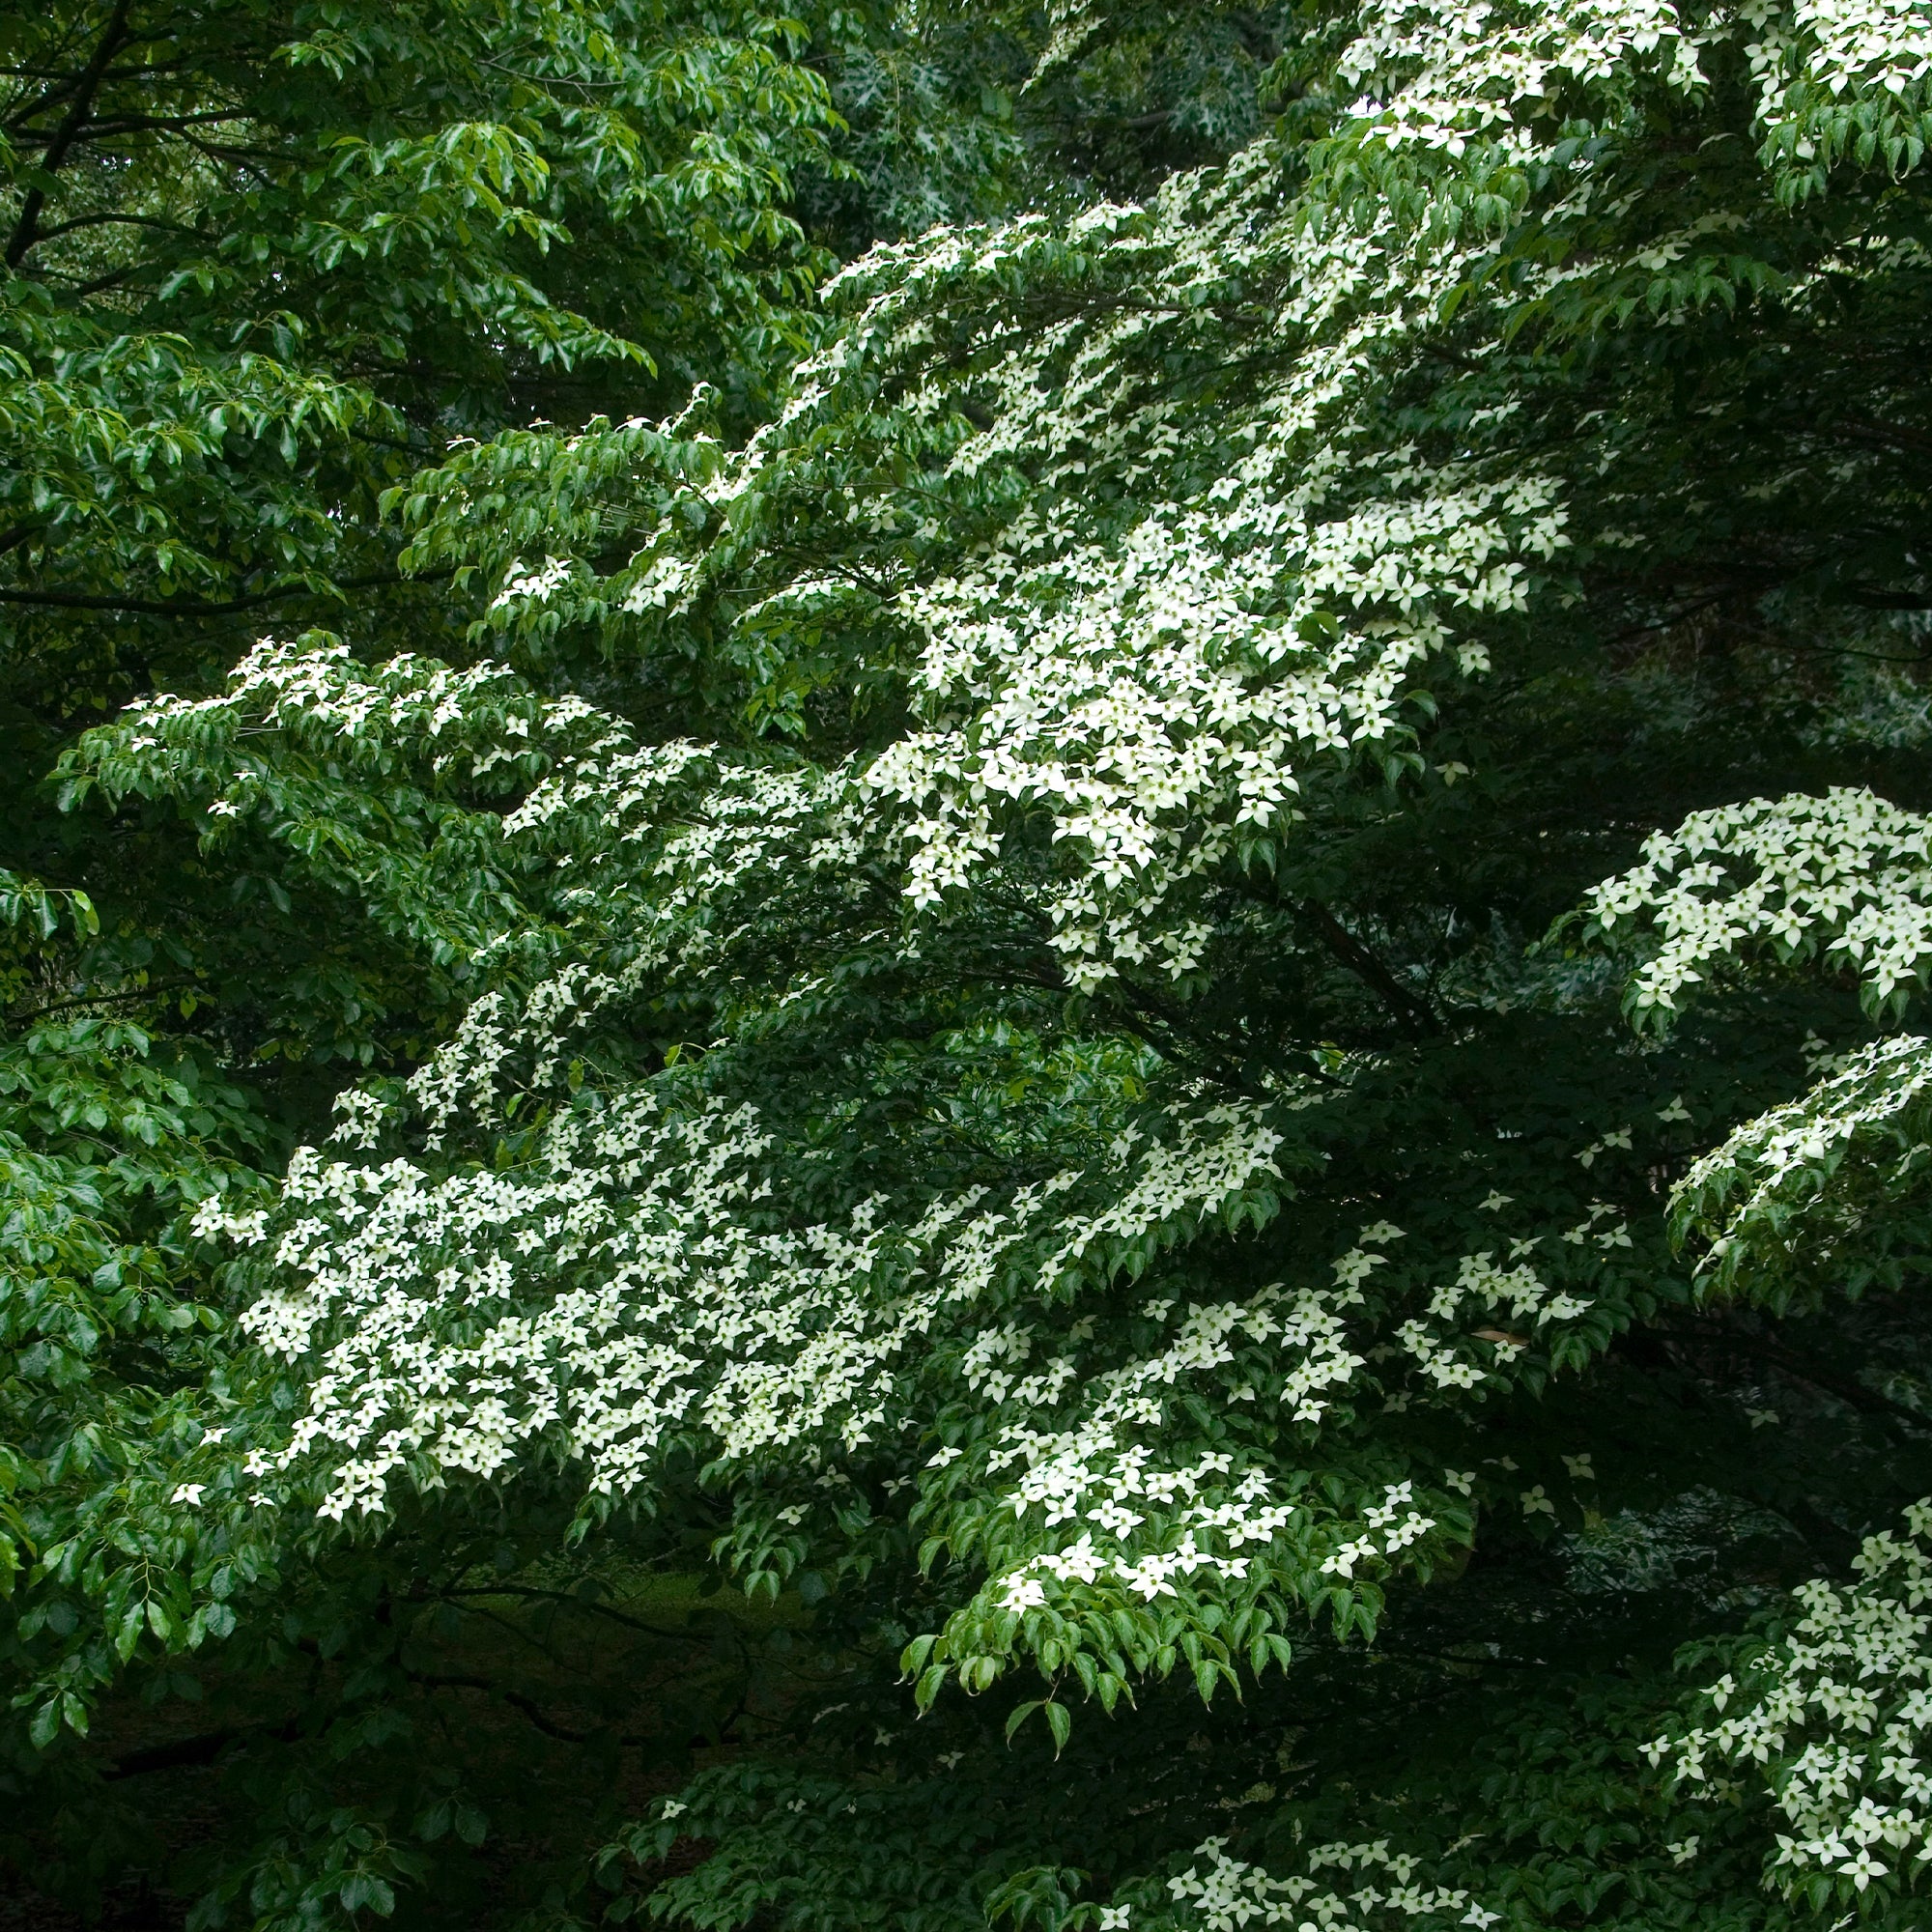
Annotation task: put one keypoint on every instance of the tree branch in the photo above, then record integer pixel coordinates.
(589, 1606)
(103, 220)
(528, 1707)
(26, 229)
(1804, 1369)
(149, 124)
(1415, 1012)
(184, 1753)
(140, 607)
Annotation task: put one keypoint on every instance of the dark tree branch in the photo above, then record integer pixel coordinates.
(589, 1605)
(147, 123)
(161, 989)
(1883, 435)
(434, 1680)
(181, 1755)
(186, 1753)
(1415, 1013)
(1163, 1028)
(139, 606)
(103, 220)
(1805, 1369)
(27, 227)
(528, 1707)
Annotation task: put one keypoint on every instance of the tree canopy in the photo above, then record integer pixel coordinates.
(961, 966)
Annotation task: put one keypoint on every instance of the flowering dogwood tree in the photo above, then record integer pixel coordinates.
(1177, 1182)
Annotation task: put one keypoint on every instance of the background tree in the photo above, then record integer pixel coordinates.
(261, 264)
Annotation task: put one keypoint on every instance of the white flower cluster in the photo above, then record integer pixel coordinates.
(1246, 1516)
(1171, 611)
(1289, 1350)
(634, 1280)
(1152, 689)
(1344, 1888)
(686, 828)
(498, 1047)
(468, 721)
(1847, 876)
(1518, 1290)
(337, 762)
(1821, 65)
(1834, 1716)
(1857, 44)
(1442, 77)
(1438, 76)
(1770, 1192)
(1190, 606)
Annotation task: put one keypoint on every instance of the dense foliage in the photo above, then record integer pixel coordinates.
(1059, 1066)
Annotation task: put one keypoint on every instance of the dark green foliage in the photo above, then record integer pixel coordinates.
(477, 353)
